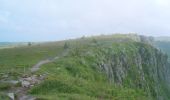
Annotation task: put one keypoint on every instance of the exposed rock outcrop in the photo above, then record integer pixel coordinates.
(136, 65)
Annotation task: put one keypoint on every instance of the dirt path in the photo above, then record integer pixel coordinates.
(39, 64)
(29, 81)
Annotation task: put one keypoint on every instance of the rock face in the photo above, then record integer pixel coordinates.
(136, 65)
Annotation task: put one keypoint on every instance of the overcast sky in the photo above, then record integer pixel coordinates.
(44, 20)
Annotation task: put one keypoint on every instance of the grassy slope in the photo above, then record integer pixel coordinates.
(164, 46)
(16, 60)
(73, 77)
(77, 76)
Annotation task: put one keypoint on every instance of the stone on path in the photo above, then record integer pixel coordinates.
(25, 84)
(11, 96)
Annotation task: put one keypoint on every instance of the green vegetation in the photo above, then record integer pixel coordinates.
(78, 74)
(70, 79)
(164, 46)
(4, 86)
(116, 67)
(16, 61)
(3, 96)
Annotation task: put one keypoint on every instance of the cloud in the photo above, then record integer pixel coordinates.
(73, 18)
(4, 16)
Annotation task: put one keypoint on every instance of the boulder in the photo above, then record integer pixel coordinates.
(11, 96)
(25, 84)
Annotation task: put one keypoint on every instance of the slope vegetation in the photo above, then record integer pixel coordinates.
(115, 67)
(118, 68)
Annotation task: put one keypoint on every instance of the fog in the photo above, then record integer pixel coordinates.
(48, 20)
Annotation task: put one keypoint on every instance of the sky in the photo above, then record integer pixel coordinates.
(50, 20)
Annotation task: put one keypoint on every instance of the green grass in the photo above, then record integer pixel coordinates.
(4, 96)
(16, 61)
(78, 75)
(5, 86)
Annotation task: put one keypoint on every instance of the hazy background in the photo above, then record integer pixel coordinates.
(47, 20)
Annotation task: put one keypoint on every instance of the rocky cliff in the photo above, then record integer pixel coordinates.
(136, 65)
(118, 67)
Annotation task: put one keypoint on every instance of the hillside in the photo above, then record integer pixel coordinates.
(164, 46)
(116, 67)
(11, 44)
(163, 38)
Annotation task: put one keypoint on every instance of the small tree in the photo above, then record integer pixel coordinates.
(83, 37)
(66, 45)
(29, 43)
(94, 40)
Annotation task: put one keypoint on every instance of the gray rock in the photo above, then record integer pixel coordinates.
(5, 76)
(28, 79)
(27, 97)
(25, 84)
(11, 96)
(14, 82)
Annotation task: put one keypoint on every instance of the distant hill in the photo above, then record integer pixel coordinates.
(164, 46)
(163, 43)
(11, 44)
(5, 43)
(162, 38)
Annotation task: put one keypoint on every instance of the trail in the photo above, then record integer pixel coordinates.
(29, 81)
(39, 64)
